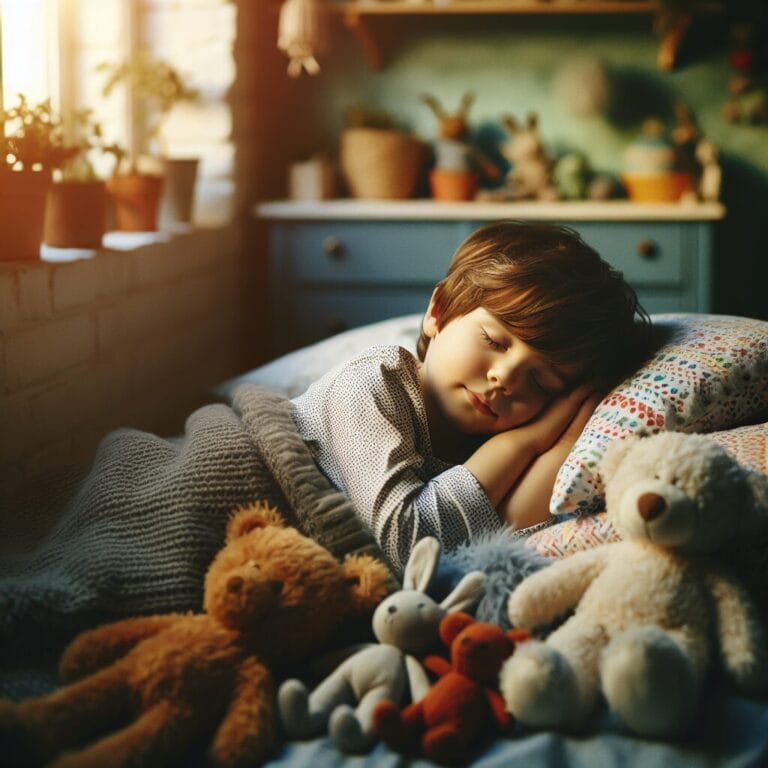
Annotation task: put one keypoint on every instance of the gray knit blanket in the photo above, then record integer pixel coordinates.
(140, 532)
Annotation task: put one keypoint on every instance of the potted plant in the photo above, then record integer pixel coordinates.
(76, 206)
(158, 87)
(33, 145)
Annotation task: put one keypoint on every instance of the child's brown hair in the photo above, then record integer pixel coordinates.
(552, 291)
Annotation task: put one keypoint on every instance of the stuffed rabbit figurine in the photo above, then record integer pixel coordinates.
(406, 626)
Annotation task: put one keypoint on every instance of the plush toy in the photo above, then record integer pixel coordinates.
(651, 611)
(464, 705)
(406, 626)
(148, 691)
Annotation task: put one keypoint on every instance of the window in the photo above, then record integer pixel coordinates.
(51, 49)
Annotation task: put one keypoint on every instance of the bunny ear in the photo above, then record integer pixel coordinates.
(422, 564)
(466, 593)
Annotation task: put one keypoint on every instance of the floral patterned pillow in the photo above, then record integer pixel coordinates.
(748, 444)
(710, 374)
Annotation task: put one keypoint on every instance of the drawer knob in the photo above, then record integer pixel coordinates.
(333, 248)
(648, 249)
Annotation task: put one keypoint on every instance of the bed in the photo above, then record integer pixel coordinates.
(708, 374)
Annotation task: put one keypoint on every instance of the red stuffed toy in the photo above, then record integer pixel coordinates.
(463, 705)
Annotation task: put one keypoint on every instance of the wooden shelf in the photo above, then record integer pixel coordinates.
(360, 17)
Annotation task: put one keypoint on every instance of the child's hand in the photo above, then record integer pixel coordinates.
(564, 418)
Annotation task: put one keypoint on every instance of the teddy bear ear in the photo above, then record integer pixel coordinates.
(247, 518)
(615, 453)
(369, 581)
(453, 623)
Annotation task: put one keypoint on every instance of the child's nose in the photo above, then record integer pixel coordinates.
(503, 375)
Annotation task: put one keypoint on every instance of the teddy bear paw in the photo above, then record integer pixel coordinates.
(293, 707)
(347, 732)
(540, 687)
(649, 681)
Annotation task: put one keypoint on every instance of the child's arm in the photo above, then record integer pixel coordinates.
(502, 460)
(528, 501)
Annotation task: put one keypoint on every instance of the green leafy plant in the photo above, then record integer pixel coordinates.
(154, 82)
(33, 137)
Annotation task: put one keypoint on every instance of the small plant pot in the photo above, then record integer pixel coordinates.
(75, 214)
(22, 211)
(137, 201)
(452, 185)
(179, 190)
(381, 164)
(657, 187)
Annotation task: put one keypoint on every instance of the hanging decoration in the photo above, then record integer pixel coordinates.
(301, 33)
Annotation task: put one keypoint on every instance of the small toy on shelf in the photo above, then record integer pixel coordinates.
(464, 706)
(710, 177)
(747, 100)
(651, 613)
(530, 176)
(406, 626)
(458, 164)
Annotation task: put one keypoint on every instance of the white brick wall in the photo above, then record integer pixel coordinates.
(129, 338)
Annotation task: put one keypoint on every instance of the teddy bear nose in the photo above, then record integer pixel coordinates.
(650, 506)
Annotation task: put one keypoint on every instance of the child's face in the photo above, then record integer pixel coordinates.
(480, 379)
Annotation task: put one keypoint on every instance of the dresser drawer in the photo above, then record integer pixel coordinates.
(321, 313)
(647, 253)
(368, 252)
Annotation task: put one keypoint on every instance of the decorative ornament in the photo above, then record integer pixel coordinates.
(300, 33)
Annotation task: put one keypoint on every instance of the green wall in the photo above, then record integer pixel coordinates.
(513, 64)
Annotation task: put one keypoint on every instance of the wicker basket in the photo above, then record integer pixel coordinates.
(381, 164)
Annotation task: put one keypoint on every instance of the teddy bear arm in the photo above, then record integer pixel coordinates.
(437, 665)
(498, 708)
(247, 733)
(552, 591)
(97, 648)
(740, 633)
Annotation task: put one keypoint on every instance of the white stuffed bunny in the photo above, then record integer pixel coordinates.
(406, 626)
(651, 612)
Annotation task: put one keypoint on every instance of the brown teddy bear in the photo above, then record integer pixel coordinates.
(149, 690)
(464, 705)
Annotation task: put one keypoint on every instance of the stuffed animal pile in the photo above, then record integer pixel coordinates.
(150, 691)
(654, 612)
(464, 707)
(406, 626)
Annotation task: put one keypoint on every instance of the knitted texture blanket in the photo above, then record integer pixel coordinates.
(138, 535)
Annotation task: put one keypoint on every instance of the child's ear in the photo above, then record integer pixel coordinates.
(431, 323)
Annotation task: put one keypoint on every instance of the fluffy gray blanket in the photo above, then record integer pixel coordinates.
(139, 534)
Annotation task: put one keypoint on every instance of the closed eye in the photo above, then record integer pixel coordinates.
(492, 343)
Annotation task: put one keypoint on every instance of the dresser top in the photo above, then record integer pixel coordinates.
(611, 210)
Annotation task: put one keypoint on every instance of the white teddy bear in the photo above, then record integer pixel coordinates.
(653, 610)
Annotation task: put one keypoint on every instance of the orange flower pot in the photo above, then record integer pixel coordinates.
(22, 209)
(137, 201)
(75, 214)
(452, 184)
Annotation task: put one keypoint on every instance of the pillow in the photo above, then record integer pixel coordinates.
(292, 373)
(748, 444)
(710, 373)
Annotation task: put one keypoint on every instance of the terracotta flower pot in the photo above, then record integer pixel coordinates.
(137, 201)
(75, 214)
(448, 184)
(22, 208)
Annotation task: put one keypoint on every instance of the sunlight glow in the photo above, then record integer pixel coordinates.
(28, 42)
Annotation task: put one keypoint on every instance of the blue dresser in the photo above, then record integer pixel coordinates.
(340, 264)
